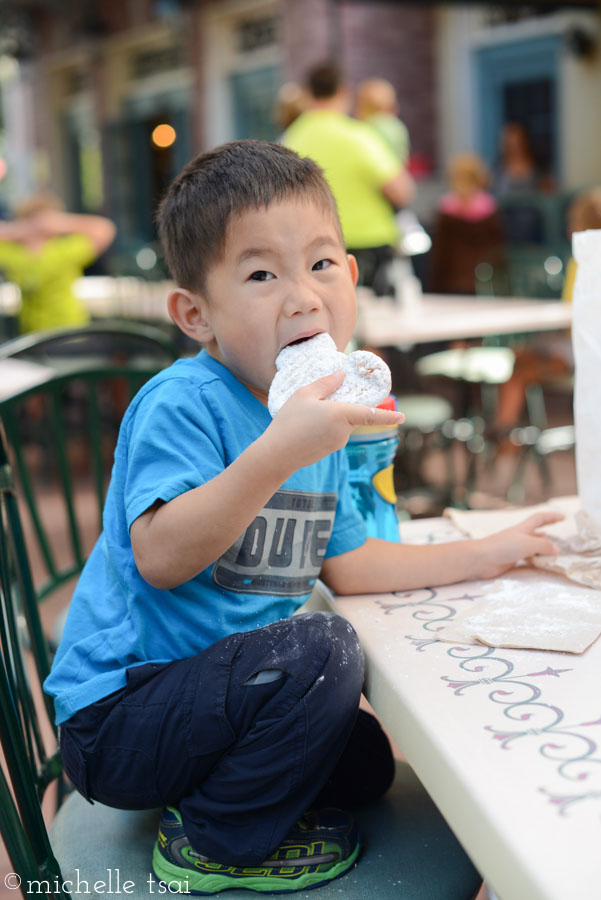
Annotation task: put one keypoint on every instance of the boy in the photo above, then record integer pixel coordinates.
(182, 679)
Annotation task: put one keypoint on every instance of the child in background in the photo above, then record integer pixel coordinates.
(468, 199)
(467, 229)
(183, 680)
(291, 101)
(44, 250)
(377, 105)
(584, 213)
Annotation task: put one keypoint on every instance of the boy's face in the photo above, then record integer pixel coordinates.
(284, 276)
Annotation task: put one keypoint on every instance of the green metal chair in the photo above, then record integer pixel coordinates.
(537, 440)
(478, 372)
(410, 853)
(106, 340)
(422, 433)
(28, 766)
(62, 430)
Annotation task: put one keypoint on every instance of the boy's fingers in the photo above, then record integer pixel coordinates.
(545, 547)
(323, 387)
(357, 414)
(539, 519)
(370, 415)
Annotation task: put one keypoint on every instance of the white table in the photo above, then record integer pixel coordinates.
(18, 375)
(380, 321)
(507, 742)
(124, 297)
(446, 317)
(107, 297)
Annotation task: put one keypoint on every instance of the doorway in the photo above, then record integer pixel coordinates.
(518, 82)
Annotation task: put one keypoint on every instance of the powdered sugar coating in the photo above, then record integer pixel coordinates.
(367, 378)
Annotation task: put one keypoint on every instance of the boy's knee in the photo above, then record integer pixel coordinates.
(328, 629)
(304, 647)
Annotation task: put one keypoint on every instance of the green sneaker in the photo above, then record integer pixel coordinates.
(323, 845)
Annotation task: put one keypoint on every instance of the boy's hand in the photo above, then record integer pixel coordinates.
(308, 427)
(501, 551)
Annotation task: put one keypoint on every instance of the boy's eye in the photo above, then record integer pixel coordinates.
(261, 275)
(322, 264)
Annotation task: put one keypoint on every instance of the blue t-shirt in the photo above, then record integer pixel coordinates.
(181, 430)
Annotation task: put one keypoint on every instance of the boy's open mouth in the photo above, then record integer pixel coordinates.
(303, 338)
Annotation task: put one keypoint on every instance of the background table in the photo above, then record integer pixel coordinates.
(446, 317)
(507, 742)
(380, 321)
(105, 296)
(18, 375)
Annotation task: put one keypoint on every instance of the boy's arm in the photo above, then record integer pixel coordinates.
(172, 542)
(381, 567)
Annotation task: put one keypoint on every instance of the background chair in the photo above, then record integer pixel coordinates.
(537, 247)
(422, 433)
(62, 431)
(537, 440)
(109, 341)
(478, 372)
(409, 851)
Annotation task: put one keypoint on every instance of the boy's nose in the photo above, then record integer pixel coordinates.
(302, 299)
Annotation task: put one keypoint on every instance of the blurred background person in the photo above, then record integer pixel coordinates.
(367, 179)
(377, 105)
(467, 229)
(291, 101)
(584, 213)
(518, 170)
(519, 179)
(44, 250)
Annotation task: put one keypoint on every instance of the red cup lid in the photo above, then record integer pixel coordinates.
(389, 403)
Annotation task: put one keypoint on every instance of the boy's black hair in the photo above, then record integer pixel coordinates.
(194, 215)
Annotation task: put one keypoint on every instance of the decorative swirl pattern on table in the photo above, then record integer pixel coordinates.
(577, 755)
(429, 606)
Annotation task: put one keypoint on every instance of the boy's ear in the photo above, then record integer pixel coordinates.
(352, 264)
(188, 311)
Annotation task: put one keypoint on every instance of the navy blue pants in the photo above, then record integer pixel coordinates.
(241, 754)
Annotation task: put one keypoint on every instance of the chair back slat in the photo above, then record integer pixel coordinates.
(17, 846)
(24, 755)
(9, 413)
(61, 432)
(16, 753)
(25, 836)
(27, 598)
(60, 450)
(18, 684)
(19, 612)
(95, 429)
(58, 435)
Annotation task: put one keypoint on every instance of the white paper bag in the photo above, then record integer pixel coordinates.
(586, 340)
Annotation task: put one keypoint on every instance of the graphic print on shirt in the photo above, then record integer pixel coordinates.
(282, 550)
